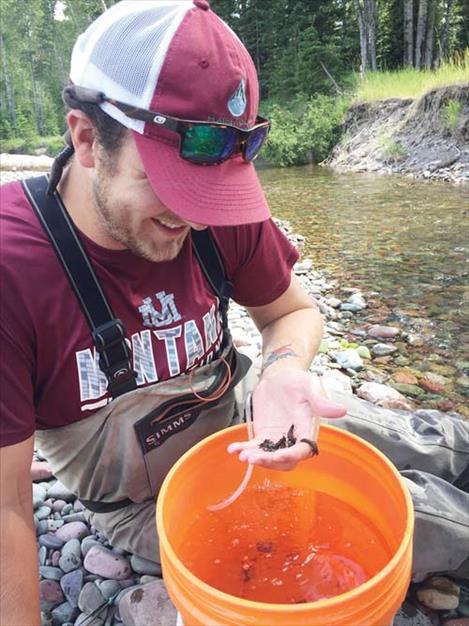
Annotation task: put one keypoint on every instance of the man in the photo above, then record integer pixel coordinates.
(163, 127)
(140, 186)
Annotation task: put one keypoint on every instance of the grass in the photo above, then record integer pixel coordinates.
(52, 145)
(450, 113)
(412, 83)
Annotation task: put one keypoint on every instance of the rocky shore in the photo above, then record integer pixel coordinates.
(422, 138)
(87, 582)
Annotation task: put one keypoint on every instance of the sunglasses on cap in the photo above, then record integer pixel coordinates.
(202, 143)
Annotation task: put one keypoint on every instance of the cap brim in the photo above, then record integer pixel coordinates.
(213, 195)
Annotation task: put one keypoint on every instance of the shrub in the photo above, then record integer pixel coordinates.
(32, 145)
(304, 132)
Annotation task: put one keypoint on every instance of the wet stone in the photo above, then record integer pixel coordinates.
(51, 573)
(71, 585)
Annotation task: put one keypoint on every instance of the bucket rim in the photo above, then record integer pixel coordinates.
(324, 603)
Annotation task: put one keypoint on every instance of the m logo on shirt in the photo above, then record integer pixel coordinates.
(165, 315)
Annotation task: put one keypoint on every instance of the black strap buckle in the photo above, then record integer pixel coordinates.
(114, 356)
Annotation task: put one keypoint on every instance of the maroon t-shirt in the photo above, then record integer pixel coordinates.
(49, 368)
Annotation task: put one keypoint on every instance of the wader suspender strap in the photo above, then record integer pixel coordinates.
(108, 332)
(213, 268)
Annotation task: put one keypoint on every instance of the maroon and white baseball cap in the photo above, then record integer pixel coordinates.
(178, 58)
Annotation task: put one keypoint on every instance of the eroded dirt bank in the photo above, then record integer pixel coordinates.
(424, 138)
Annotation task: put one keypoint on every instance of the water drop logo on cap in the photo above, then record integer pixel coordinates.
(237, 102)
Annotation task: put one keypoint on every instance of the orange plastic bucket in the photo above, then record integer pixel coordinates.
(347, 468)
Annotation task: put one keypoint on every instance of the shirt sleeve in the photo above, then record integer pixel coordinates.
(17, 415)
(258, 260)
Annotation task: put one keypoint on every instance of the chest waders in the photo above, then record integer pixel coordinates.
(116, 459)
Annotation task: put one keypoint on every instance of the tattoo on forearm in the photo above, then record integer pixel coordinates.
(283, 352)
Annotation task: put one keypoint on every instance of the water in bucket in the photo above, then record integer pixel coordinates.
(280, 544)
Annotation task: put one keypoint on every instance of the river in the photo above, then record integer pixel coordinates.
(405, 240)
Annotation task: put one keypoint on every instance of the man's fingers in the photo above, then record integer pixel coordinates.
(283, 459)
(326, 408)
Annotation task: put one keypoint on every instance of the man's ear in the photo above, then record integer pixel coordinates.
(83, 137)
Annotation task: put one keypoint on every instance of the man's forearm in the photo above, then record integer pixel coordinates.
(19, 576)
(291, 341)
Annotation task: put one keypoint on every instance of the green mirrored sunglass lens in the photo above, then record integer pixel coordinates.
(255, 142)
(207, 144)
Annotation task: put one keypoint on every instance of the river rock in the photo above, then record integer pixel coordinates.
(39, 495)
(349, 307)
(50, 540)
(409, 390)
(42, 555)
(333, 302)
(109, 588)
(456, 621)
(103, 562)
(87, 543)
(71, 556)
(364, 352)
(383, 349)
(63, 613)
(85, 620)
(71, 585)
(51, 573)
(60, 492)
(358, 300)
(410, 615)
(90, 598)
(139, 606)
(405, 377)
(43, 512)
(382, 332)
(73, 530)
(433, 383)
(348, 359)
(55, 558)
(383, 395)
(336, 380)
(144, 566)
(46, 526)
(58, 505)
(51, 592)
(439, 593)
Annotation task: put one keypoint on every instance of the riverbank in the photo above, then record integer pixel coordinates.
(427, 137)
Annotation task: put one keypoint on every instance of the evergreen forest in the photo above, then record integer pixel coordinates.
(305, 51)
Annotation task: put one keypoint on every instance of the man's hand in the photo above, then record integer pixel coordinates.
(288, 398)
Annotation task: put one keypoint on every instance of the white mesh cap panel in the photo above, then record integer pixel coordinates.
(122, 52)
